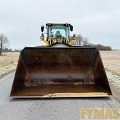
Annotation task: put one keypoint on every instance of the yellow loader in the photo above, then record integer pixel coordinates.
(59, 69)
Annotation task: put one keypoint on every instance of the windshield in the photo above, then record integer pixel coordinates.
(60, 31)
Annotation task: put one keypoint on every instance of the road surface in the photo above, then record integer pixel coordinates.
(46, 109)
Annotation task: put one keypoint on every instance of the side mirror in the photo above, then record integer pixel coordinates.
(71, 28)
(42, 28)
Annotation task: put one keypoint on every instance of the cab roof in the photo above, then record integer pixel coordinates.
(53, 24)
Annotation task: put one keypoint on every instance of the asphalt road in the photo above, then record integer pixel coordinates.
(46, 109)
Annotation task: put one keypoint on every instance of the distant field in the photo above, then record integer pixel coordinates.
(111, 61)
(8, 62)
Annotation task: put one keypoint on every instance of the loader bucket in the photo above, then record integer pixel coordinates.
(47, 72)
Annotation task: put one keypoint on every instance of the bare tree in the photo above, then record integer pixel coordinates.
(79, 39)
(3, 42)
(86, 41)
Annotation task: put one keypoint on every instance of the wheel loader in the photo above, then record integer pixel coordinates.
(59, 69)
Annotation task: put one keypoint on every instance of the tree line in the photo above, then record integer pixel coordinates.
(80, 40)
(83, 41)
(10, 50)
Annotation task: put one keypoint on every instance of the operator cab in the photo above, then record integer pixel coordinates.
(57, 32)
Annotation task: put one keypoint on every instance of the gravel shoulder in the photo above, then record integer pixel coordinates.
(114, 81)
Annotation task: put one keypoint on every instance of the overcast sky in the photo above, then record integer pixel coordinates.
(98, 20)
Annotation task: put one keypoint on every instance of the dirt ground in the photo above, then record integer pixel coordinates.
(111, 61)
